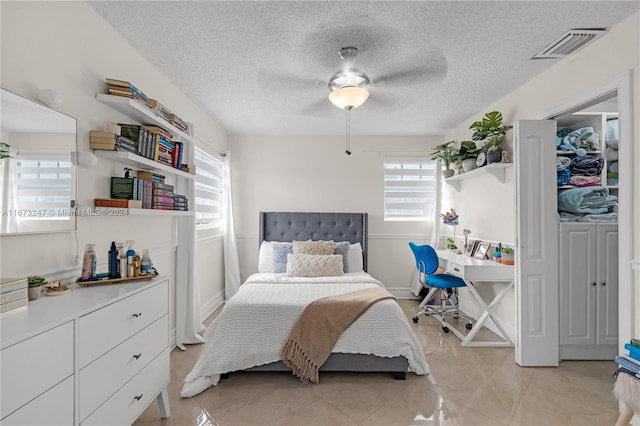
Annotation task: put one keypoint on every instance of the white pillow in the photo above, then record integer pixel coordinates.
(355, 258)
(265, 257)
(314, 265)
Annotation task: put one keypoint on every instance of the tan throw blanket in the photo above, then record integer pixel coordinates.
(321, 324)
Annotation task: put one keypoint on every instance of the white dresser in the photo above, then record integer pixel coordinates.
(97, 355)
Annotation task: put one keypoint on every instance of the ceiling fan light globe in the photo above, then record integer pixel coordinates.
(349, 97)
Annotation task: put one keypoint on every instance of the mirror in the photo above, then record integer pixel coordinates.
(37, 167)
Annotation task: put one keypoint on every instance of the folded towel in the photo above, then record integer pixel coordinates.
(588, 165)
(585, 180)
(611, 217)
(592, 199)
(562, 162)
(575, 138)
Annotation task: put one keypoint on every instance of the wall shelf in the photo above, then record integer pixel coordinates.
(495, 169)
(140, 113)
(140, 162)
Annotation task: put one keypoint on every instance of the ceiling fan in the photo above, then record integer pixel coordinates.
(349, 86)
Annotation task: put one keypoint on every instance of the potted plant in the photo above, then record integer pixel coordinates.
(467, 154)
(34, 283)
(445, 152)
(4, 150)
(507, 256)
(491, 131)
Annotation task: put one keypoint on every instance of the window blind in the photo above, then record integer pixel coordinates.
(409, 188)
(45, 184)
(208, 190)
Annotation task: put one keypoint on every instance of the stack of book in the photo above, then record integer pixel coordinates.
(156, 194)
(111, 142)
(13, 294)
(160, 110)
(154, 143)
(178, 122)
(180, 202)
(127, 90)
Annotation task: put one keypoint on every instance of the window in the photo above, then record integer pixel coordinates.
(409, 188)
(208, 190)
(45, 184)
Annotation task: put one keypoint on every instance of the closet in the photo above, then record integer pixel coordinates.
(587, 188)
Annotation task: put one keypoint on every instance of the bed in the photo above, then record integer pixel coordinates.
(252, 326)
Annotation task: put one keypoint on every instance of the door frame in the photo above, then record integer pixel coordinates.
(622, 86)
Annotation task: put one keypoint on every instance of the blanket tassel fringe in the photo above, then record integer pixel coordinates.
(294, 357)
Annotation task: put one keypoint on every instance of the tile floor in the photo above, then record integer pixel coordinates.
(466, 386)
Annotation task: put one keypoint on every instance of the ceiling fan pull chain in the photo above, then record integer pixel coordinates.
(348, 148)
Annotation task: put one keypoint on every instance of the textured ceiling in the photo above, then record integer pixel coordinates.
(263, 67)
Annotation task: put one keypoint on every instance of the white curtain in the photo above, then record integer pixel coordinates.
(231, 261)
(9, 199)
(434, 236)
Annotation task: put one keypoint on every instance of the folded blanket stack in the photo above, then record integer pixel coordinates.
(611, 217)
(591, 200)
(584, 137)
(588, 165)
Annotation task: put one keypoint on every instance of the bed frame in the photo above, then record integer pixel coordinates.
(352, 227)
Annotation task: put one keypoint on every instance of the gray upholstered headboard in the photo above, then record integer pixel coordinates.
(300, 226)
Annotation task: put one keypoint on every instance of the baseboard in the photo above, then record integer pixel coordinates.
(402, 293)
(211, 305)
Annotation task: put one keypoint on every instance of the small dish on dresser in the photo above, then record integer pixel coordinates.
(56, 289)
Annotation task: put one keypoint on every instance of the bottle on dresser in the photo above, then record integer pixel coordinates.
(89, 261)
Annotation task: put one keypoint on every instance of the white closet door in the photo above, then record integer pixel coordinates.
(537, 243)
(607, 300)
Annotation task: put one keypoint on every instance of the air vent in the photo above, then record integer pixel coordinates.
(568, 43)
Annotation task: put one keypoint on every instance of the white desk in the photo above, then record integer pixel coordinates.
(475, 271)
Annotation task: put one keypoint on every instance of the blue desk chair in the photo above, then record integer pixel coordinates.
(427, 264)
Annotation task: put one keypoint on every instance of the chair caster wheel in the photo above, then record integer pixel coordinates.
(415, 319)
(445, 329)
(468, 326)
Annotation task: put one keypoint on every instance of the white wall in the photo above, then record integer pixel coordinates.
(67, 47)
(606, 59)
(303, 173)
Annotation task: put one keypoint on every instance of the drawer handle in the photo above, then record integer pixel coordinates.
(456, 269)
(138, 355)
(604, 283)
(139, 397)
(594, 284)
(139, 314)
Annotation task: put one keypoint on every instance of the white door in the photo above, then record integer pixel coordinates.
(607, 298)
(578, 287)
(537, 324)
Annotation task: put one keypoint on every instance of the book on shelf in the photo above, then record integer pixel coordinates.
(160, 131)
(150, 176)
(118, 203)
(168, 200)
(100, 134)
(165, 186)
(156, 207)
(177, 161)
(160, 109)
(124, 188)
(114, 84)
(111, 147)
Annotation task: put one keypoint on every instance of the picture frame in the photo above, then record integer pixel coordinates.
(471, 248)
(482, 250)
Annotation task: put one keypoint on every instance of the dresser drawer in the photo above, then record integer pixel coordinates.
(33, 366)
(52, 408)
(453, 268)
(131, 400)
(107, 327)
(113, 369)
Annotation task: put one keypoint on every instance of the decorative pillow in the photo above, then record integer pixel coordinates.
(355, 258)
(265, 257)
(313, 265)
(280, 252)
(342, 248)
(313, 247)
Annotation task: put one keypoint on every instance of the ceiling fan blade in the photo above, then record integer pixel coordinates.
(270, 80)
(412, 76)
(320, 107)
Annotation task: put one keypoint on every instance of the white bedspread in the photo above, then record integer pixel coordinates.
(256, 321)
